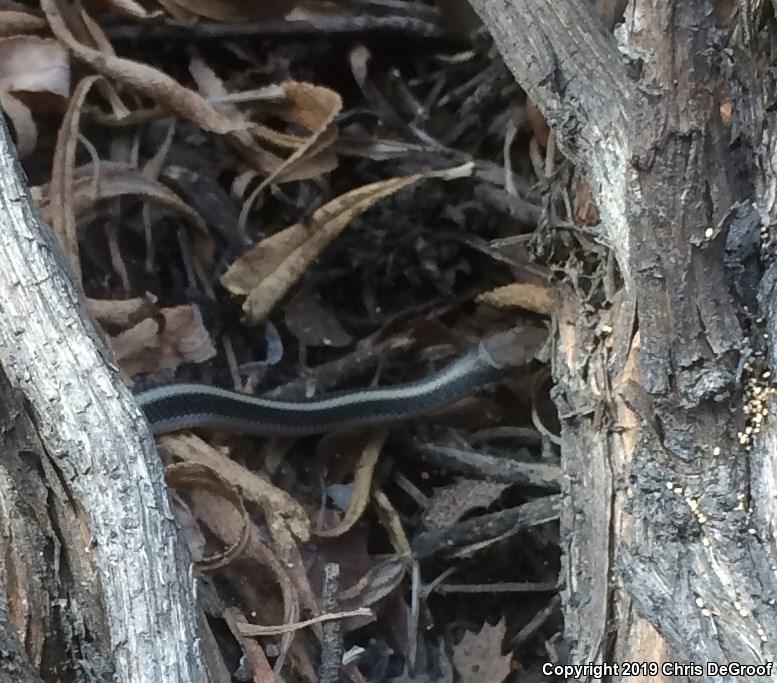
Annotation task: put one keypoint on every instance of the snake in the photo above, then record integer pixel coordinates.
(180, 406)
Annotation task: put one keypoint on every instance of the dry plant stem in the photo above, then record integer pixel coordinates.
(472, 463)
(96, 438)
(504, 587)
(331, 631)
(414, 613)
(260, 666)
(536, 622)
(484, 527)
(407, 26)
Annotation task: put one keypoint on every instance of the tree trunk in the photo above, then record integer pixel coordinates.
(94, 572)
(663, 384)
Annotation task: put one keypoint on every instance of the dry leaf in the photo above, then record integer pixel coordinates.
(213, 89)
(312, 107)
(267, 271)
(274, 501)
(478, 657)
(260, 555)
(33, 64)
(153, 348)
(377, 149)
(211, 86)
(95, 36)
(89, 32)
(35, 70)
(229, 522)
(190, 527)
(285, 519)
(122, 313)
(146, 80)
(530, 296)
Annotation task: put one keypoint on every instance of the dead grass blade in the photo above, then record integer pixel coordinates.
(89, 191)
(132, 10)
(362, 484)
(61, 213)
(392, 523)
(377, 583)
(257, 630)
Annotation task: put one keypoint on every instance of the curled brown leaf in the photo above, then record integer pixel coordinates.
(252, 487)
(121, 313)
(146, 80)
(153, 346)
(313, 107)
(230, 522)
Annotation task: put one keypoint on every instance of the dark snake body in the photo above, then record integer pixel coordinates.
(186, 406)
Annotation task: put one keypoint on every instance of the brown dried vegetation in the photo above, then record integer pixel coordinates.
(328, 207)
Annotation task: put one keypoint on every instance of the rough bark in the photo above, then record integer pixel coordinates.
(97, 584)
(669, 518)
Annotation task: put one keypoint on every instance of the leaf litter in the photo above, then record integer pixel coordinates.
(307, 196)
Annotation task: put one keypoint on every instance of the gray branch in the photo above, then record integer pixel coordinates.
(97, 444)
